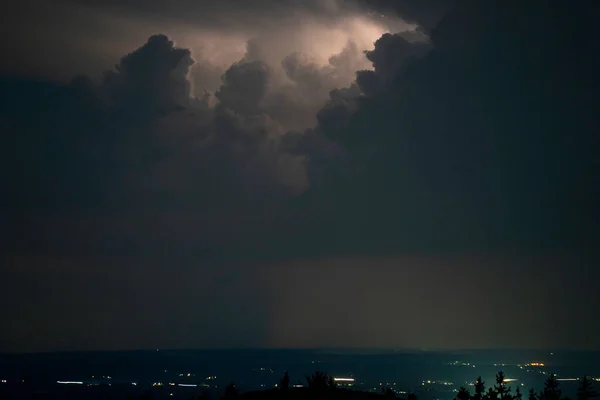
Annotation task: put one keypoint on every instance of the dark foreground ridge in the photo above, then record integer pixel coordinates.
(306, 393)
(320, 386)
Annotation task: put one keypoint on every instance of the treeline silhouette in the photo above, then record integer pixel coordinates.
(501, 391)
(321, 385)
(318, 385)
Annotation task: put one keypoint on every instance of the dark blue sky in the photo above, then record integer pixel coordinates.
(247, 176)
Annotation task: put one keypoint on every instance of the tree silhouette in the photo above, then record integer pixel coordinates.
(463, 394)
(331, 383)
(479, 389)
(586, 391)
(532, 395)
(503, 392)
(491, 394)
(320, 381)
(284, 383)
(389, 393)
(551, 390)
(518, 394)
(231, 392)
(411, 396)
(204, 396)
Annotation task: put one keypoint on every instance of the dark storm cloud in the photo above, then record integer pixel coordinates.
(478, 141)
(153, 78)
(244, 86)
(421, 136)
(76, 145)
(485, 142)
(388, 57)
(120, 180)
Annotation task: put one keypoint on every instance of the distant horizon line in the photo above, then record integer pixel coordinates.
(308, 349)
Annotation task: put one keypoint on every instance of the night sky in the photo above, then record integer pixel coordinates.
(286, 173)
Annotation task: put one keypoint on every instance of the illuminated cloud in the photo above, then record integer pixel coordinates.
(215, 32)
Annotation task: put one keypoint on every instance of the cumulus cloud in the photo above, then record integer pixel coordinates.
(388, 57)
(153, 78)
(324, 39)
(139, 134)
(335, 119)
(244, 87)
(422, 128)
(460, 146)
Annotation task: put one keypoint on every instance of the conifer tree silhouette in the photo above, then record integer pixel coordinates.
(586, 390)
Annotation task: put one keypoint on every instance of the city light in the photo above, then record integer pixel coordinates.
(436, 387)
(430, 382)
(462, 364)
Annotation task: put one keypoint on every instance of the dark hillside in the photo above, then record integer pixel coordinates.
(306, 393)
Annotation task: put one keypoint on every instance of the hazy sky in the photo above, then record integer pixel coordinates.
(285, 173)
